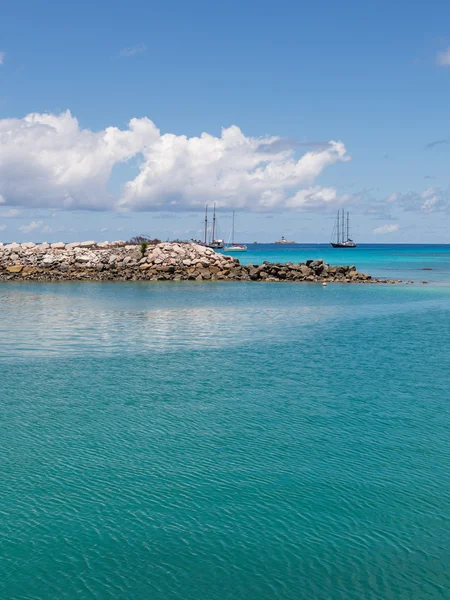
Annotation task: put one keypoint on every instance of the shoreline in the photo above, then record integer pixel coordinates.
(166, 261)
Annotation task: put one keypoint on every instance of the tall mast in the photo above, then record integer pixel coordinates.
(343, 226)
(232, 232)
(206, 224)
(338, 230)
(348, 227)
(214, 224)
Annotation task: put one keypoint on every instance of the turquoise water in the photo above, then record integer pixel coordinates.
(405, 261)
(224, 441)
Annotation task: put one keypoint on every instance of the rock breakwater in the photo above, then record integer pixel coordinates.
(164, 261)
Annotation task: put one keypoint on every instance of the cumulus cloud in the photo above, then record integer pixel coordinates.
(133, 50)
(31, 226)
(443, 58)
(2, 58)
(2, 227)
(47, 160)
(385, 229)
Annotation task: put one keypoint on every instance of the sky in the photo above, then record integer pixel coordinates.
(126, 118)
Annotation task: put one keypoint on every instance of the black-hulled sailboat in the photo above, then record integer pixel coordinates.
(341, 232)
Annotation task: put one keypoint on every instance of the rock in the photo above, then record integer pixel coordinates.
(48, 260)
(58, 246)
(28, 245)
(13, 246)
(305, 270)
(72, 245)
(14, 268)
(44, 246)
(89, 244)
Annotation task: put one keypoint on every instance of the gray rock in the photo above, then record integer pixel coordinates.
(72, 245)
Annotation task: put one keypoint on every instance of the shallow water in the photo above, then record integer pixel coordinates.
(224, 441)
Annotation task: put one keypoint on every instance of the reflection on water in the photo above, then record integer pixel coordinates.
(75, 318)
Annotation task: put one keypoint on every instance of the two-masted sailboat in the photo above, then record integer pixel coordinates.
(341, 232)
(212, 242)
(234, 247)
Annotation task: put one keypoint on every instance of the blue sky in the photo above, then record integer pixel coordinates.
(374, 76)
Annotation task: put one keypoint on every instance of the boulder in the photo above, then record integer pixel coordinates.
(305, 270)
(43, 247)
(58, 246)
(89, 244)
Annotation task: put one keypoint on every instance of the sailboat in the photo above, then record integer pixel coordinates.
(212, 243)
(342, 229)
(235, 247)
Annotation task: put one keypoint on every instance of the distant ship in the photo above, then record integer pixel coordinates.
(341, 232)
(235, 247)
(212, 243)
(284, 241)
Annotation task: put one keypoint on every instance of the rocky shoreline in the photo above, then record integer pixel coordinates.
(108, 261)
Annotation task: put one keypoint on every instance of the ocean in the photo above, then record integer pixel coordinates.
(228, 440)
(405, 261)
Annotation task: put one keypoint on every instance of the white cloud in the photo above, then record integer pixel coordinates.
(385, 229)
(133, 50)
(103, 229)
(443, 58)
(46, 160)
(2, 58)
(314, 197)
(9, 214)
(31, 226)
(432, 199)
(2, 227)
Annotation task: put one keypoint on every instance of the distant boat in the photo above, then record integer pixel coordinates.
(212, 243)
(342, 232)
(235, 247)
(283, 240)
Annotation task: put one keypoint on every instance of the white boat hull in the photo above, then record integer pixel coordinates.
(235, 249)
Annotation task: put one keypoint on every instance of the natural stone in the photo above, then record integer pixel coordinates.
(14, 268)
